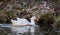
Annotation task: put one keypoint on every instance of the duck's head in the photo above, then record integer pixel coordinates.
(33, 18)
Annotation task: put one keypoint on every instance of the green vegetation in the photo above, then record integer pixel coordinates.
(57, 22)
(46, 21)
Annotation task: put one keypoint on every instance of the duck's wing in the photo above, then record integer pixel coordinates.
(18, 18)
(24, 21)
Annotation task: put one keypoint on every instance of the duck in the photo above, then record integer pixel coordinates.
(24, 22)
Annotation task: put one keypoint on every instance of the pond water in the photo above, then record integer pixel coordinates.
(23, 30)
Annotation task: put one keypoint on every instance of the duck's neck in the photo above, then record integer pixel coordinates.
(32, 22)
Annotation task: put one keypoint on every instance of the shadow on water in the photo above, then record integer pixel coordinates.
(8, 31)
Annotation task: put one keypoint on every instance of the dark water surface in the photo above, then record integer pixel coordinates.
(7, 30)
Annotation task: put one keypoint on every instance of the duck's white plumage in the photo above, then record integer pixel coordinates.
(22, 21)
(14, 22)
(33, 20)
(18, 29)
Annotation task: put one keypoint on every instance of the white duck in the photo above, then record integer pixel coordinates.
(22, 21)
(26, 22)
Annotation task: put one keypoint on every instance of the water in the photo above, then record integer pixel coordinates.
(10, 30)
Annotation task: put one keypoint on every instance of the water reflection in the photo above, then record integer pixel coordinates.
(23, 30)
